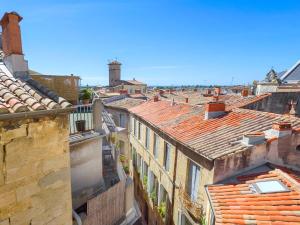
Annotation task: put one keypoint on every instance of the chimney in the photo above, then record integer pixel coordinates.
(114, 73)
(214, 110)
(245, 92)
(281, 129)
(253, 138)
(208, 91)
(12, 45)
(186, 100)
(155, 98)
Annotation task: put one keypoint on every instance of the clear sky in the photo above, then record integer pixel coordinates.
(167, 42)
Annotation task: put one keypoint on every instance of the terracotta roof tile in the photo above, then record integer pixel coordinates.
(211, 138)
(19, 96)
(238, 204)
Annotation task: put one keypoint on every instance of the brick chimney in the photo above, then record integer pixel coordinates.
(281, 129)
(155, 98)
(12, 45)
(214, 110)
(186, 100)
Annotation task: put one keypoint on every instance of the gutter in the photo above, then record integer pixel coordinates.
(35, 114)
(210, 204)
(76, 217)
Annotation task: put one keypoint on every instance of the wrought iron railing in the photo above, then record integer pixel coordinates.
(193, 207)
(81, 119)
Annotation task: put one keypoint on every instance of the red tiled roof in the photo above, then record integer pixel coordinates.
(239, 204)
(18, 96)
(211, 138)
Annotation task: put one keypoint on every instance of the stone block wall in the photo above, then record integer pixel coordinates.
(35, 171)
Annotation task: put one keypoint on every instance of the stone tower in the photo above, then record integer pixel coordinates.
(114, 73)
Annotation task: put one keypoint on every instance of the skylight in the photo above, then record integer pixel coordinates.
(270, 186)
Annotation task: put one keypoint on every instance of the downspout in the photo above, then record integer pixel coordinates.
(174, 182)
(76, 217)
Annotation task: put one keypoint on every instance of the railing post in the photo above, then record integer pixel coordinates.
(97, 108)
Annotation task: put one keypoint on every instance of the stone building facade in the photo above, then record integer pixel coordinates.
(177, 149)
(35, 185)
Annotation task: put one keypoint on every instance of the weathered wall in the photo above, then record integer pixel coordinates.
(206, 177)
(35, 172)
(64, 86)
(107, 208)
(277, 103)
(281, 152)
(86, 169)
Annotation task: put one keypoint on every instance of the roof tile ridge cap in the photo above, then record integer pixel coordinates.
(285, 175)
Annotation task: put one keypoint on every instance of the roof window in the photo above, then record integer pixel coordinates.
(269, 186)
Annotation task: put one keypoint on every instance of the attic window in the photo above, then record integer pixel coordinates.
(270, 186)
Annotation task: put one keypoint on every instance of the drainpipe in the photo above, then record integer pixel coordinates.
(174, 182)
(76, 217)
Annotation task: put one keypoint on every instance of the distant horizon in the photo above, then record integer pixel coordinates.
(160, 42)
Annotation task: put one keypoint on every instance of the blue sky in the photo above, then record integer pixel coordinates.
(167, 42)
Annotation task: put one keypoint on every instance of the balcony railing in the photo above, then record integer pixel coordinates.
(81, 119)
(193, 207)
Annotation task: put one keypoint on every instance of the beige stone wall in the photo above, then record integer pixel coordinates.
(86, 170)
(35, 172)
(206, 177)
(155, 165)
(165, 178)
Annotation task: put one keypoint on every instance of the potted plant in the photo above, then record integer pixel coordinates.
(145, 181)
(80, 125)
(162, 208)
(86, 96)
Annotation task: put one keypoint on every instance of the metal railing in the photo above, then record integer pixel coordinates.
(81, 119)
(194, 207)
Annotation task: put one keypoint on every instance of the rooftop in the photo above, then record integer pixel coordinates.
(25, 96)
(238, 202)
(125, 103)
(211, 138)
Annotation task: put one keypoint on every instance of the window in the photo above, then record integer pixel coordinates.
(122, 120)
(139, 130)
(147, 138)
(134, 127)
(270, 186)
(167, 156)
(193, 180)
(155, 146)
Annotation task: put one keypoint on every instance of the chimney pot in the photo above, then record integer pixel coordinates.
(11, 34)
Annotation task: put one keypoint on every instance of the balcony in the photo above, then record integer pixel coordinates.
(193, 207)
(81, 119)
